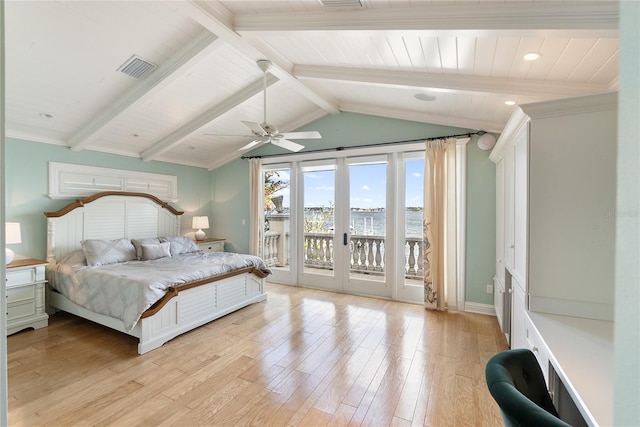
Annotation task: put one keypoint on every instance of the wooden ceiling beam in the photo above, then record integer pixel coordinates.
(196, 125)
(559, 18)
(176, 66)
(217, 19)
(451, 83)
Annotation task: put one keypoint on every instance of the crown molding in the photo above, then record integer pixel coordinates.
(578, 105)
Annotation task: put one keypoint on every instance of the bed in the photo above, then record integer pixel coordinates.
(178, 288)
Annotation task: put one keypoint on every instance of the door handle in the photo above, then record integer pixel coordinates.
(345, 239)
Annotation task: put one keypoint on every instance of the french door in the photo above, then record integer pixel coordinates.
(351, 224)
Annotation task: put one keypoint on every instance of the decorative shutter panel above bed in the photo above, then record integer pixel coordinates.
(68, 181)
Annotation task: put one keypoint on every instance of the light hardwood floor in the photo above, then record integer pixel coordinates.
(302, 358)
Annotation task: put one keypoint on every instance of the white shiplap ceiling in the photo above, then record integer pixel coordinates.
(62, 59)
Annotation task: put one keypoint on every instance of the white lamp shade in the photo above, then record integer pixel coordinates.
(12, 233)
(200, 222)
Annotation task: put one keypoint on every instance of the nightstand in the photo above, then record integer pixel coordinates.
(211, 245)
(25, 295)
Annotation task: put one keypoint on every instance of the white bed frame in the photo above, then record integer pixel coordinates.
(115, 215)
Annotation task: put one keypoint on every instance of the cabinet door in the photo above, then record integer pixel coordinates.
(498, 301)
(509, 207)
(518, 316)
(500, 224)
(520, 201)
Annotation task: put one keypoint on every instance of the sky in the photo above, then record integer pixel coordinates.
(366, 188)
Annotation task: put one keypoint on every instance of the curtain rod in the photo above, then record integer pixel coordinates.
(406, 141)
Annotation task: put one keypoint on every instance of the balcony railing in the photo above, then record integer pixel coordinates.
(366, 253)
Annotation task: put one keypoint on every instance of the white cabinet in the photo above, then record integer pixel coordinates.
(211, 245)
(25, 295)
(555, 219)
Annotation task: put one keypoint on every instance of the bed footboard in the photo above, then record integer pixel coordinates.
(189, 309)
(196, 306)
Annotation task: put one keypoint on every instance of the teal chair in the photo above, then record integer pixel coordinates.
(516, 382)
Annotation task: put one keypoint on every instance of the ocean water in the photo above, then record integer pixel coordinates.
(374, 223)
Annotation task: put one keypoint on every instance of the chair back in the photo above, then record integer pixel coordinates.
(517, 384)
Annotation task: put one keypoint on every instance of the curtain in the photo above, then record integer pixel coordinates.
(256, 225)
(439, 223)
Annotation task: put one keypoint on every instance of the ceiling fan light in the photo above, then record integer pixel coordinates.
(531, 56)
(425, 97)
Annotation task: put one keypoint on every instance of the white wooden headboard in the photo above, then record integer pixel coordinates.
(109, 215)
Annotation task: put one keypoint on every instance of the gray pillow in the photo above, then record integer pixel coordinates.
(180, 245)
(101, 252)
(139, 242)
(155, 251)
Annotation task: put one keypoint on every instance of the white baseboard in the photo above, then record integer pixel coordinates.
(476, 307)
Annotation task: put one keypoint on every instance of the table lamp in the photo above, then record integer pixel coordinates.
(200, 222)
(11, 236)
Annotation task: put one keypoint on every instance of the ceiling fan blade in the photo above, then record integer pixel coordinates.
(256, 128)
(251, 144)
(287, 145)
(236, 136)
(302, 135)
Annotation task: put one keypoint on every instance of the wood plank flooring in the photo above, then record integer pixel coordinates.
(302, 358)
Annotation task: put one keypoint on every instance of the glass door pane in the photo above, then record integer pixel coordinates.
(276, 249)
(368, 221)
(318, 219)
(413, 242)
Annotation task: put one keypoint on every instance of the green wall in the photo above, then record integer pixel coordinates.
(27, 184)
(481, 224)
(223, 194)
(231, 187)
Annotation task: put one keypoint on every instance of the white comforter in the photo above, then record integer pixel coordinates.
(125, 290)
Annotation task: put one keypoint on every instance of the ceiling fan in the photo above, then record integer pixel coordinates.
(267, 133)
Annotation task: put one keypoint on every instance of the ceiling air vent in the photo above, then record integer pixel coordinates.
(342, 4)
(137, 67)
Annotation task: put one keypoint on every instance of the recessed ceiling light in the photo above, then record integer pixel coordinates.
(46, 115)
(425, 97)
(531, 56)
(510, 102)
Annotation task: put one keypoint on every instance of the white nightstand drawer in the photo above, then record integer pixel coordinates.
(20, 294)
(211, 246)
(20, 310)
(21, 277)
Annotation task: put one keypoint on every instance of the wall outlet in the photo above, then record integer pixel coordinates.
(489, 289)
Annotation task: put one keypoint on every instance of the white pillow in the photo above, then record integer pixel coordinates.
(159, 250)
(139, 242)
(102, 252)
(180, 245)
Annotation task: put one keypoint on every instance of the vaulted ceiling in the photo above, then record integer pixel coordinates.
(64, 86)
